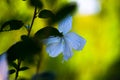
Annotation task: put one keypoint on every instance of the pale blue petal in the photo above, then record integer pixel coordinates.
(65, 25)
(51, 40)
(3, 67)
(76, 41)
(54, 49)
(67, 52)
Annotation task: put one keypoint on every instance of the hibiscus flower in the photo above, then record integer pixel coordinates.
(66, 42)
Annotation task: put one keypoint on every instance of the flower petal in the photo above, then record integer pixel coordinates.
(51, 40)
(54, 49)
(76, 41)
(65, 25)
(67, 52)
(3, 67)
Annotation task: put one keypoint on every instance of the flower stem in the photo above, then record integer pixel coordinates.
(34, 16)
(19, 60)
(38, 66)
(38, 63)
(39, 60)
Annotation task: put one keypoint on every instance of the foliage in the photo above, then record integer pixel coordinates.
(30, 46)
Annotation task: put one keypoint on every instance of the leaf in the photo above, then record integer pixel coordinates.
(36, 3)
(24, 37)
(11, 55)
(25, 49)
(12, 25)
(14, 65)
(46, 14)
(44, 76)
(47, 32)
(23, 68)
(63, 12)
(12, 71)
(23, 78)
(113, 73)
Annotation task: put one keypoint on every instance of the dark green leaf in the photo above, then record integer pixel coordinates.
(25, 37)
(23, 68)
(44, 76)
(23, 78)
(63, 12)
(36, 3)
(27, 48)
(47, 32)
(46, 14)
(11, 55)
(113, 72)
(11, 71)
(14, 65)
(11, 25)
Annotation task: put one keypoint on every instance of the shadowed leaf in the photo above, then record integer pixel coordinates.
(11, 71)
(11, 25)
(46, 14)
(23, 79)
(63, 12)
(114, 71)
(23, 68)
(36, 3)
(14, 65)
(44, 76)
(25, 49)
(47, 32)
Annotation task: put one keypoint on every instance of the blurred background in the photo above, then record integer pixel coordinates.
(98, 21)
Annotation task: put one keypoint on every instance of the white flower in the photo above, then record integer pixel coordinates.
(64, 44)
(3, 67)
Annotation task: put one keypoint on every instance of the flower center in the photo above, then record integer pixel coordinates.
(61, 34)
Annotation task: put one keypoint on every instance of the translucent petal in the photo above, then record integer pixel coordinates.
(3, 67)
(76, 41)
(65, 25)
(67, 52)
(51, 40)
(54, 49)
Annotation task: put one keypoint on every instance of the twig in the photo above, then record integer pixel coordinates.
(19, 60)
(34, 16)
(18, 67)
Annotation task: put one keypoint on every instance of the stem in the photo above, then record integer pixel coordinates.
(39, 60)
(34, 16)
(38, 64)
(19, 60)
(17, 72)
